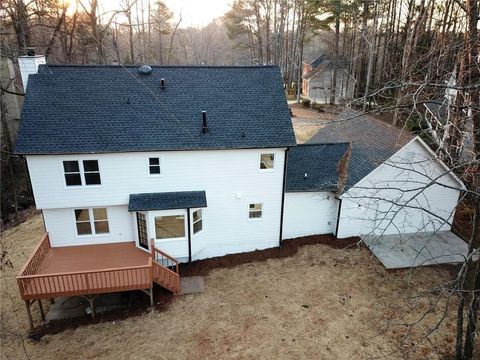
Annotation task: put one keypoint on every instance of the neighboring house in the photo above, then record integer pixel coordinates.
(440, 118)
(136, 169)
(317, 80)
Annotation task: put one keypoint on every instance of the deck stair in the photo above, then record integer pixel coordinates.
(165, 270)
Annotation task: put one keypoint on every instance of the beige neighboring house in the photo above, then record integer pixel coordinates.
(317, 80)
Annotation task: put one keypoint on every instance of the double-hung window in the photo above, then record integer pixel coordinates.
(267, 161)
(154, 166)
(91, 221)
(255, 211)
(78, 173)
(197, 221)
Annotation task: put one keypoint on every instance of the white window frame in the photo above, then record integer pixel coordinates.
(197, 221)
(82, 174)
(260, 161)
(162, 213)
(261, 211)
(91, 219)
(159, 164)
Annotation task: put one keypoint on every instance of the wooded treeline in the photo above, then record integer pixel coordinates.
(401, 53)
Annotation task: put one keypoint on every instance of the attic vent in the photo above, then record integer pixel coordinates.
(162, 83)
(145, 70)
(204, 122)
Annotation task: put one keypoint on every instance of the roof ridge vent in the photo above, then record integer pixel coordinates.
(145, 70)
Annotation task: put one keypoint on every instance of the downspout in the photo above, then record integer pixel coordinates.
(338, 215)
(189, 237)
(283, 196)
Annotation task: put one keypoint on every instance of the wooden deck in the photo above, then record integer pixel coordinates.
(92, 257)
(94, 269)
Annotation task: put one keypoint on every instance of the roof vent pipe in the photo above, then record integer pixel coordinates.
(204, 122)
(162, 83)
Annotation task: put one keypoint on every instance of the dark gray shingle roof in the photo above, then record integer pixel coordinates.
(91, 109)
(167, 200)
(373, 141)
(319, 162)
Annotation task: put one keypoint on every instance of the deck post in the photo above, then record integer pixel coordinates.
(29, 315)
(151, 297)
(40, 307)
(91, 300)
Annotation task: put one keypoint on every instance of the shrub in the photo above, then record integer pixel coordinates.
(306, 102)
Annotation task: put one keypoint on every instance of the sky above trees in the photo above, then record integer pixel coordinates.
(194, 13)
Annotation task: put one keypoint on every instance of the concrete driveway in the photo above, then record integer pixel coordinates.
(420, 249)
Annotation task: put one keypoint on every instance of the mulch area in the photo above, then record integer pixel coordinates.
(288, 248)
(140, 302)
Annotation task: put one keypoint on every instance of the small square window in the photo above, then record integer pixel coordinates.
(197, 221)
(255, 211)
(267, 161)
(154, 166)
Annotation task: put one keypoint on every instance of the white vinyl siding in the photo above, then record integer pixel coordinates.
(309, 213)
(230, 178)
(61, 226)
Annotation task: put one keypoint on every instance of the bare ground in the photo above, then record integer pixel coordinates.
(306, 122)
(321, 302)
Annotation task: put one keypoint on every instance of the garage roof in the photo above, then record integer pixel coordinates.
(373, 141)
(315, 167)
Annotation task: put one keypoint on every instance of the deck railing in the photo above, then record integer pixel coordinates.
(43, 286)
(38, 255)
(165, 270)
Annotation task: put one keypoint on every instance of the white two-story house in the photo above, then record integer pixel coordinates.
(191, 157)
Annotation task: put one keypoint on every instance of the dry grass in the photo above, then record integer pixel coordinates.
(320, 303)
(307, 122)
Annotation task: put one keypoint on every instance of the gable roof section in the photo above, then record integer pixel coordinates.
(373, 141)
(102, 109)
(320, 162)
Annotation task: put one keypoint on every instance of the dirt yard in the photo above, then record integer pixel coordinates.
(306, 122)
(319, 303)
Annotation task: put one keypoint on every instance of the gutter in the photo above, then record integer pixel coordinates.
(283, 196)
